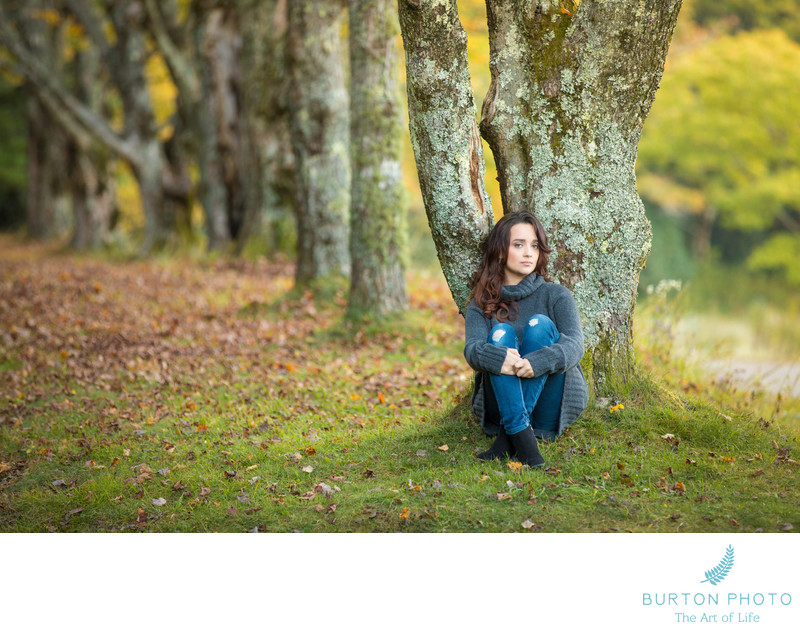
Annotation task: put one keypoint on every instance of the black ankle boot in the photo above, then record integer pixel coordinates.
(500, 449)
(527, 449)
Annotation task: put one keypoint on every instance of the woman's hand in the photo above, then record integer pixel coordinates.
(523, 369)
(512, 357)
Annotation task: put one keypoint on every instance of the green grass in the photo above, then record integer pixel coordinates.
(235, 416)
(236, 463)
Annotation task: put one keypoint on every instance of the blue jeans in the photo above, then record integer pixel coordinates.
(519, 402)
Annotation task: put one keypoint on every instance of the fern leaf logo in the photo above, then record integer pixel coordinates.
(718, 573)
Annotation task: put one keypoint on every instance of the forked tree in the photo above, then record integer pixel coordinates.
(572, 83)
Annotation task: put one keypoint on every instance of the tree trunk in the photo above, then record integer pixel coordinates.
(563, 117)
(320, 138)
(571, 86)
(266, 142)
(445, 138)
(48, 208)
(702, 227)
(90, 179)
(46, 157)
(222, 51)
(138, 143)
(93, 198)
(377, 225)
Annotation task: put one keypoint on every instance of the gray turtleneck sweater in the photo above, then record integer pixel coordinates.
(533, 296)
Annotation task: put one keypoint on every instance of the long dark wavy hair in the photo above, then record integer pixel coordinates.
(487, 282)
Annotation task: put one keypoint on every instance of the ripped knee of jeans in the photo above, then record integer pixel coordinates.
(502, 335)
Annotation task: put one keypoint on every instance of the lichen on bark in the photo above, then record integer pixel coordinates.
(444, 137)
(320, 138)
(377, 226)
(563, 116)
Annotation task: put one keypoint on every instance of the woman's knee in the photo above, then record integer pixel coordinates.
(541, 330)
(503, 334)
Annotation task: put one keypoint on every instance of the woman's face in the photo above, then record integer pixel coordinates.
(523, 253)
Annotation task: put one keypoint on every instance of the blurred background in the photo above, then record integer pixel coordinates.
(718, 166)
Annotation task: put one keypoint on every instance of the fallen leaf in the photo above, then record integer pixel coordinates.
(324, 489)
(443, 448)
(310, 451)
(232, 511)
(786, 527)
(528, 524)
(308, 469)
(733, 522)
(422, 453)
(4, 466)
(159, 502)
(668, 436)
(514, 465)
(163, 472)
(679, 487)
(404, 514)
(503, 496)
(251, 467)
(205, 490)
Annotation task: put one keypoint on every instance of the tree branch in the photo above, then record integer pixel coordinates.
(54, 95)
(182, 70)
(93, 25)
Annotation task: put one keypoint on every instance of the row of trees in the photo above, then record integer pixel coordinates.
(261, 120)
(572, 83)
